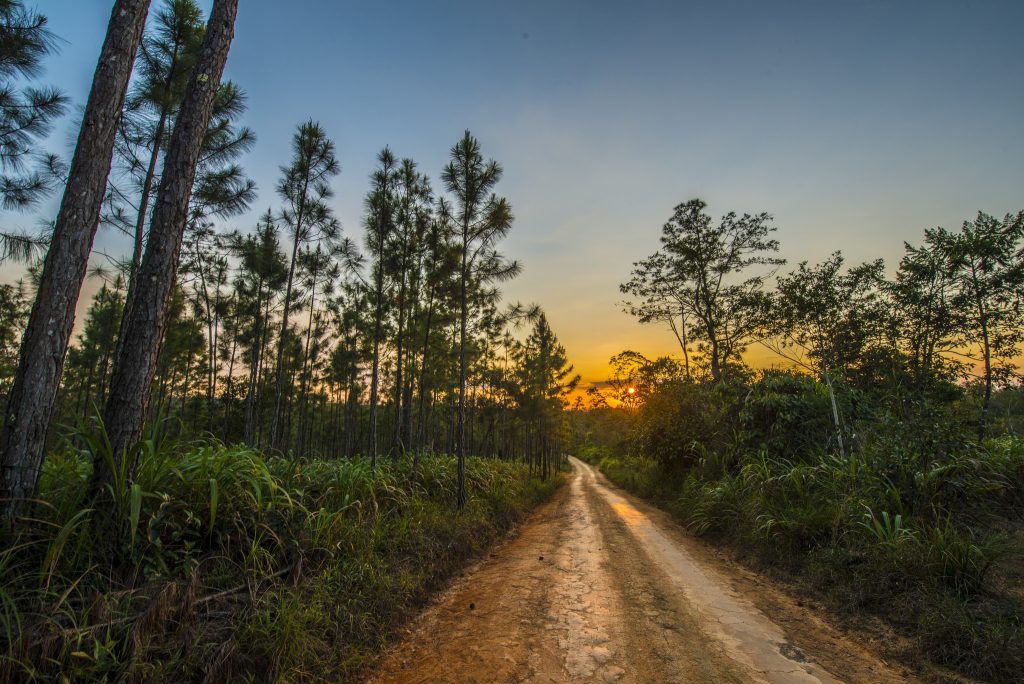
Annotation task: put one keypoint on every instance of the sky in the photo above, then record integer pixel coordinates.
(855, 124)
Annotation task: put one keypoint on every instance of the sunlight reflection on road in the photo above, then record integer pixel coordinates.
(632, 516)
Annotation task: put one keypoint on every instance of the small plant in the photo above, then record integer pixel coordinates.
(888, 530)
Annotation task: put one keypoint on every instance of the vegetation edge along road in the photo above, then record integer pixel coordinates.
(281, 569)
(912, 618)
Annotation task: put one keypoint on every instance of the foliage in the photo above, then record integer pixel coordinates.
(27, 114)
(222, 559)
(699, 268)
(786, 414)
(905, 533)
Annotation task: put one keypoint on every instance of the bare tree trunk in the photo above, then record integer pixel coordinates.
(256, 366)
(986, 344)
(275, 420)
(145, 315)
(375, 371)
(422, 417)
(397, 446)
(150, 177)
(464, 314)
(263, 370)
(685, 343)
(230, 380)
(211, 335)
(147, 189)
(835, 414)
(45, 342)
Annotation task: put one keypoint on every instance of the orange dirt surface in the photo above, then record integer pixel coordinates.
(600, 587)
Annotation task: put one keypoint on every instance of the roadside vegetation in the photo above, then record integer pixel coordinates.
(220, 564)
(880, 466)
(267, 443)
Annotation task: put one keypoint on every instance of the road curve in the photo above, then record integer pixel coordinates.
(599, 587)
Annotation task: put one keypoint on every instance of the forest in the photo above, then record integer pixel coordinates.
(878, 462)
(244, 417)
(264, 451)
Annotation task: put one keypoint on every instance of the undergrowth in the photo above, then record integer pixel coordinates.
(217, 563)
(909, 534)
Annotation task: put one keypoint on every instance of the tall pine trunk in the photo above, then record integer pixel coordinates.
(147, 189)
(307, 370)
(145, 316)
(275, 421)
(397, 445)
(375, 371)
(45, 342)
(463, 315)
(260, 327)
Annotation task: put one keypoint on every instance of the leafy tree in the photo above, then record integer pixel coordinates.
(635, 377)
(701, 265)
(923, 299)
(988, 266)
(656, 298)
(827, 320)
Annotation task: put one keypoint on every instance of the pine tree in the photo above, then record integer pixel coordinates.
(26, 117)
(23, 440)
(147, 307)
(481, 220)
(305, 188)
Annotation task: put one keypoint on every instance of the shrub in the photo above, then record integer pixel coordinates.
(787, 415)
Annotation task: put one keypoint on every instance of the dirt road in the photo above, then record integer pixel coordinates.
(599, 587)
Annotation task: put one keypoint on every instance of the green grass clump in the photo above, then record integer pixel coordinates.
(219, 562)
(909, 536)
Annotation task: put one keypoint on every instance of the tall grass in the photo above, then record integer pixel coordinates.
(218, 562)
(909, 536)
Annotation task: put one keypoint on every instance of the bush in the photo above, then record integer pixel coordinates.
(787, 415)
(680, 423)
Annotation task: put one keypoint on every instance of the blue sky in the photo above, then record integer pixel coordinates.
(856, 124)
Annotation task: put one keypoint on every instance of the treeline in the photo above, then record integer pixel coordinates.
(951, 315)
(290, 336)
(244, 465)
(880, 466)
